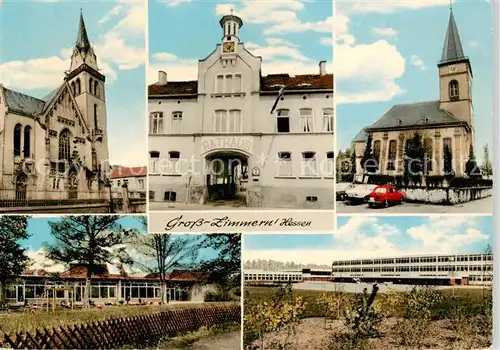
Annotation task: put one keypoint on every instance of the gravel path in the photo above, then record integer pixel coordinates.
(225, 341)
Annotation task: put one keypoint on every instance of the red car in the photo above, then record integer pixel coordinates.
(384, 195)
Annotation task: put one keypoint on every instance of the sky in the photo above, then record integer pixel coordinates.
(370, 236)
(40, 236)
(386, 53)
(35, 49)
(292, 36)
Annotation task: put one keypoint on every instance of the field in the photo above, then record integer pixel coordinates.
(423, 318)
(14, 322)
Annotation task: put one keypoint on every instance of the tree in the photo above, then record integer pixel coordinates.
(89, 241)
(414, 157)
(368, 162)
(225, 268)
(167, 255)
(447, 162)
(352, 167)
(13, 259)
(487, 167)
(471, 168)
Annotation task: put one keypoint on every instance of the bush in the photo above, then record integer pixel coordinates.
(460, 182)
(361, 317)
(217, 296)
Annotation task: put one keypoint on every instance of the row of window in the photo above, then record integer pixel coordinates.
(228, 83)
(416, 259)
(98, 291)
(413, 268)
(230, 121)
(284, 160)
(22, 137)
(94, 87)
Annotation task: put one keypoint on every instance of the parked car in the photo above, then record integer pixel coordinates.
(357, 193)
(340, 190)
(385, 195)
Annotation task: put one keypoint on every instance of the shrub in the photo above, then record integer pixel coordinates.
(217, 296)
(391, 303)
(332, 304)
(361, 317)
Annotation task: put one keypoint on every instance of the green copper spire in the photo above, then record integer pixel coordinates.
(452, 49)
(82, 39)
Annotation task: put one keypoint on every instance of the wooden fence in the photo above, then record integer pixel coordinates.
(137, 331)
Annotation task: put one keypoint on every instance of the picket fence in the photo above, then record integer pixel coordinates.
(136, 331)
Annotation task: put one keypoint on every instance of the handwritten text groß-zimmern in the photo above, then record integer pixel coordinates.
(222, 222)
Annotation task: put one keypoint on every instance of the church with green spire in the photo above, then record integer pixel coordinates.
(56, 147)
(446, 125)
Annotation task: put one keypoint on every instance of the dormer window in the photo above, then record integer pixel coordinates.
(453, 90)
(400, 122)
(425, 120)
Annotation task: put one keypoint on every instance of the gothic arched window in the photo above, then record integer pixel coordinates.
(96, 89)
(91, 85)
(453, 90)
(78, 87)
(65, 145)
(27, 141)
(17, 140)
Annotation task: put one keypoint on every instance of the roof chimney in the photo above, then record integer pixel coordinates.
(322, 67)
(162, 77)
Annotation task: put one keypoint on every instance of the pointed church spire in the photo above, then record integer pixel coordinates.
(82, 39)
(452, 49)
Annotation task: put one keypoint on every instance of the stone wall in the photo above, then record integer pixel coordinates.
(446, 196)
(296, 198)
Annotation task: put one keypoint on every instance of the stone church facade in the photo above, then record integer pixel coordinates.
(219, 136)
(444, 123)
(56, 147)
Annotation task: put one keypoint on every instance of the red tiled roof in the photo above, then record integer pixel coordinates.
(137, 171)
(34, 272)
(174, 88)
(298, 82)
(268, 83)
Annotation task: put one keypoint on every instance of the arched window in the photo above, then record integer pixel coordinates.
(453, 89)
(428, 154)
(65, 145)
(96, 89)
(95, 116)
(17, 140)
(27, 141)
(78, 87)
(91, 85)
(73, 88)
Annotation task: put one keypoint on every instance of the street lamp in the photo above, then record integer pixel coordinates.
(451, 259)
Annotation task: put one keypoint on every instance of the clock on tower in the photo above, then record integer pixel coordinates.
(228, 47)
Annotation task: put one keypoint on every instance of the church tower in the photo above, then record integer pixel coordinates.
(88, 87)
(455, 77)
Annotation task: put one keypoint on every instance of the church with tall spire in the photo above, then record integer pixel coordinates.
(446, 125)
(56, 147)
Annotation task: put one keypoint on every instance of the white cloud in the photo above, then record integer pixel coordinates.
(173, 3)
(370, 69)
(326, 41)
(366, 237)
(279, 16)
(387, 7)
(40, 262)
(114, 48)
(390, 32)
(279, 56)
(417, 62)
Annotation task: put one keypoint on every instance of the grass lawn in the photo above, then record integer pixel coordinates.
(14, 322)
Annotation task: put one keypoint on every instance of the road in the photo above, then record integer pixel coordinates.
(480, 206)
(224, 341)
